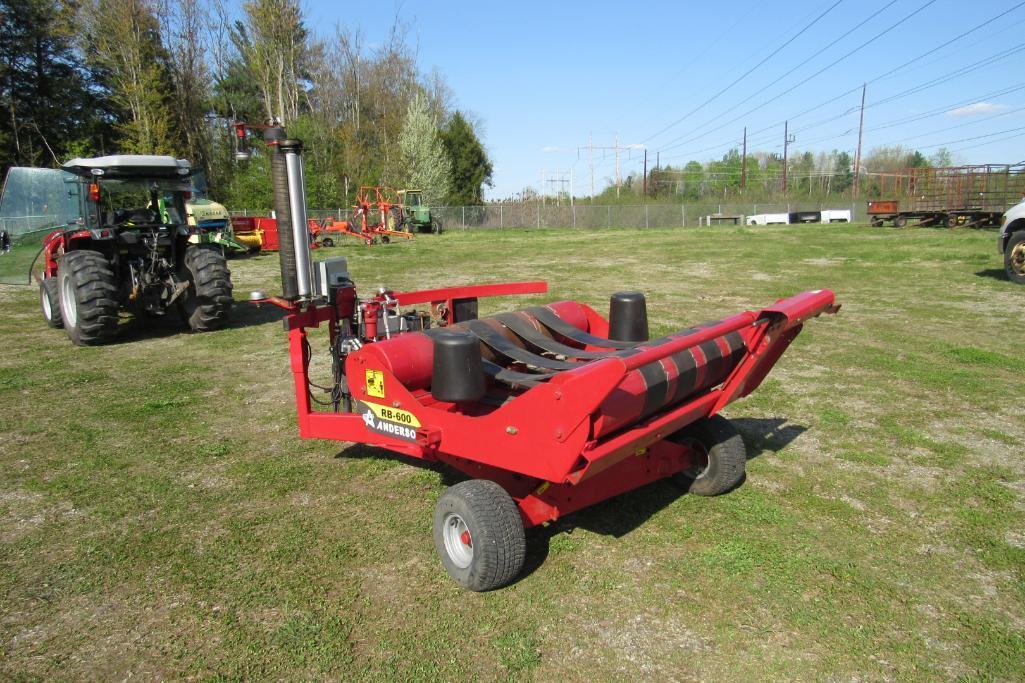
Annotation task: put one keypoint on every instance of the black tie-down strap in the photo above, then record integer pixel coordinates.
(546, 317)
(503, 346)
(528, 333)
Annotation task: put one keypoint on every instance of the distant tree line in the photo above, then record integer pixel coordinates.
(90, 77)
(826, 175)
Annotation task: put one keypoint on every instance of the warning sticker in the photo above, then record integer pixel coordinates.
(375, 383)
(394, 422)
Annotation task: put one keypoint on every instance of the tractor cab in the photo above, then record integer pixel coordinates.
(411, 198)
(128, 192)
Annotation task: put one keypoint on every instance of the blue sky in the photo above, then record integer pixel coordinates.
(542, 77)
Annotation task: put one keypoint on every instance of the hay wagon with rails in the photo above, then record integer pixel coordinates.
(948, 196)
(547, 410)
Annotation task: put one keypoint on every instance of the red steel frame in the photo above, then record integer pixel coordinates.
(539, 445)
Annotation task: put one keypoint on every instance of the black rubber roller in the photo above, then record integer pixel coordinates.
(628, 317)
(458, 373)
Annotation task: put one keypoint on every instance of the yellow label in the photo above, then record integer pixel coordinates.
(375, 383)
(390, 414)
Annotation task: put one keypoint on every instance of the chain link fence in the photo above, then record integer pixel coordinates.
(591, 216)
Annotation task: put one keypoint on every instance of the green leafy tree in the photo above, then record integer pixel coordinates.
(422, 153)
(843, 170)
(471, 168)
(917, 160)
(693, 180)
(122, 39)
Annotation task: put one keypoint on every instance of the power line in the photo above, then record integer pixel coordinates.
(933, 132)
(918, 117)
(747, 73)
(754, 5)
(988, 142)
(948, 76)
(962, 71)
(820, 71)
(820, 51)
(977, 137)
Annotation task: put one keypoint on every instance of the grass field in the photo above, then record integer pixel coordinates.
(159, 516)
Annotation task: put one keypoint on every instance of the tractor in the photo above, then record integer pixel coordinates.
(414, 215)
(130, 247)
(213, 222)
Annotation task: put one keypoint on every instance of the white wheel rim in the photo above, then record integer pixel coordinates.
(69, 307)
(44, 301)
(458, 543)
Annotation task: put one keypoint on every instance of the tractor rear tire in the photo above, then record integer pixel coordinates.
(479, 535)
(725, 457)
(207, 302)
(49, 301)
(436, 227)
(88, 297)
(1014, 258)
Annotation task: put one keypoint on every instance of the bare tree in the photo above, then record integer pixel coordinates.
(183, 22)
(277, 53)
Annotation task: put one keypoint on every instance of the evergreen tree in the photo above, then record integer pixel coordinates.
(46, 108)
(471, 168)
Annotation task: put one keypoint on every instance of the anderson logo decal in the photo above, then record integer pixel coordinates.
(394, 422)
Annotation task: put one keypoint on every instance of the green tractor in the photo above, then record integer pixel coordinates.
(213, 224)
(415, 215)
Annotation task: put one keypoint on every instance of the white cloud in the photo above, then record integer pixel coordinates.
(977, 108)
(551, 149)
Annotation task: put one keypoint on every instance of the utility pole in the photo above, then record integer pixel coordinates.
(556, 182)
(787, 139)
(590, 159)
(743, 165)
(644, 185)
(591, 147)
(857, 156)
(617, 165)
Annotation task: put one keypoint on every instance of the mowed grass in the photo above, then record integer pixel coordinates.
(159, 516)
